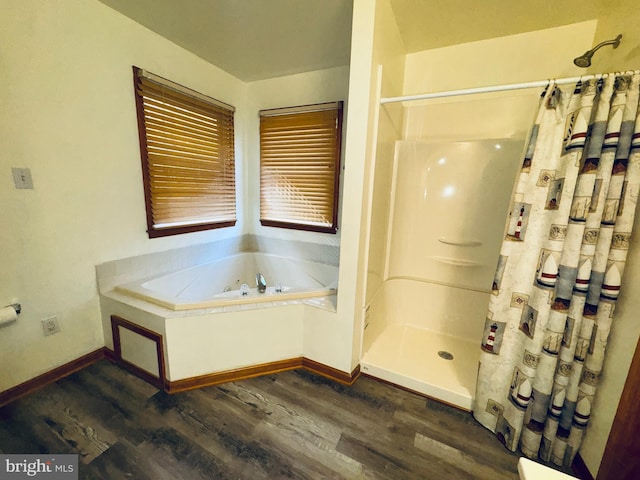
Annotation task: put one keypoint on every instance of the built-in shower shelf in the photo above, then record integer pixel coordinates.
(460, 243)
(456, 261)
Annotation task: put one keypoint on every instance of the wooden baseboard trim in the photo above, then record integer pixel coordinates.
(109, 355)
(580, 468)
(263, 369)
(51, 376)
(234, 375)
(330, 372)
(192, 383)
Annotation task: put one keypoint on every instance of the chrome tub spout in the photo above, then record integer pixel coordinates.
(261, 283)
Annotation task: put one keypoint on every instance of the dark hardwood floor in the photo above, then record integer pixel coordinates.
(287, 425)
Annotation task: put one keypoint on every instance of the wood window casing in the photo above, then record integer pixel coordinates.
(300, 150)
(187, 153)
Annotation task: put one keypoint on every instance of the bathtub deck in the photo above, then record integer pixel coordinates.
(408, 356)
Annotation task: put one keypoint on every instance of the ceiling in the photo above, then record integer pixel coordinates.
(258, 39)
(251, 39)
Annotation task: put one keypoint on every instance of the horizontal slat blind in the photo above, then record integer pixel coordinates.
(299, 166)
(188, 159)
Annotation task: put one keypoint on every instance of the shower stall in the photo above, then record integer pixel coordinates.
(440, 200)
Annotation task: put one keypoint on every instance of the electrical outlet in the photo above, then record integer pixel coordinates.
(50, 325)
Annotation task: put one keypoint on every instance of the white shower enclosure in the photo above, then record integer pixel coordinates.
(447, 209)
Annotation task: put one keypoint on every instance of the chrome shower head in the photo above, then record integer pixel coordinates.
(584, 60)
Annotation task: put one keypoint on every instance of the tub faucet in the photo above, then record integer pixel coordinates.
(261, 283)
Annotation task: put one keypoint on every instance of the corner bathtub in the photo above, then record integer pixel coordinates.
(218, 283)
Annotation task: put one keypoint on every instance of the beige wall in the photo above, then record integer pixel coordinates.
(375, 41)
(357, 136)
(387, 81)
(302, 89)
(325, 336)
(68, 114)
(622, 18)
(380, 64)
(524, 57)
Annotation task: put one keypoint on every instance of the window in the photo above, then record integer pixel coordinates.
(188, 163)
(300, 167)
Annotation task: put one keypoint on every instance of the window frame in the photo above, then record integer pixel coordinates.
(336, 106)
(188, 94)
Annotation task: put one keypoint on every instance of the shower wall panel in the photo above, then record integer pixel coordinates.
(441, 309)
(450, 202)
(489, 115)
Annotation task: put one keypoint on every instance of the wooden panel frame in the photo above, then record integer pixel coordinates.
(157, 338)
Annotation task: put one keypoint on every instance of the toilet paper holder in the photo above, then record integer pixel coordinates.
(16, 306)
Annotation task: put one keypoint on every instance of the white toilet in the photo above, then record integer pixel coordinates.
(530, 470)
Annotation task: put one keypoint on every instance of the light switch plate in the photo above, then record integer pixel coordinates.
(22, 177)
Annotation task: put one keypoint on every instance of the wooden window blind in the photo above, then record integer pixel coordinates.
(300, 166)
(188, 161)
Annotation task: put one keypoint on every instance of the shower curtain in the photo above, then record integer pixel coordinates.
(560, 267)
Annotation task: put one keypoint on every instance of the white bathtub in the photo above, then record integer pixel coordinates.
(218, 283)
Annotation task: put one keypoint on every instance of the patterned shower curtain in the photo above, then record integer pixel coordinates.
(560, 268)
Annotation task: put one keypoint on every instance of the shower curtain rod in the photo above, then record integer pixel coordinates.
(495, 88)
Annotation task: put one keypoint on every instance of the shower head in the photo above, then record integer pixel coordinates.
(584, 60)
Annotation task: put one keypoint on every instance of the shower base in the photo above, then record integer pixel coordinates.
(408, 356)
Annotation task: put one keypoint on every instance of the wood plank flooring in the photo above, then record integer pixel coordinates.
(288, 425)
